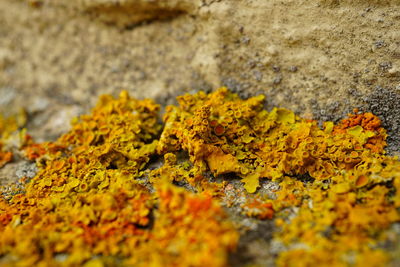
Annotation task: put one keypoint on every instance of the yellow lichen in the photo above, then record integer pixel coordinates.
(94, 200)
(85, 200)
(343, 159)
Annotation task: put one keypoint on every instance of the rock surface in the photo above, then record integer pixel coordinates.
(319, 58)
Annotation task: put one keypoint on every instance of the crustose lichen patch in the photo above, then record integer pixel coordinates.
(90, 199)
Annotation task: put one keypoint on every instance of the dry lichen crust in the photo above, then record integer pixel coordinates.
(85, 200)
(231, 135)
(94, 200)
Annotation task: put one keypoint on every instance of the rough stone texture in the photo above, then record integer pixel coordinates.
(386, 104)
(320, 58)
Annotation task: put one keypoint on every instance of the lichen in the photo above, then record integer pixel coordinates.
(85, 200)
(91, 202)
(347, 207)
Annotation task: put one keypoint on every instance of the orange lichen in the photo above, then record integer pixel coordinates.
(367, 121)
(362, 181)
(342, 159)
(364, 125)
(258, 144)
(189, 230)
(85, 200)
(93, 197)
(31, 149)
(259, 209)
(219, 129)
